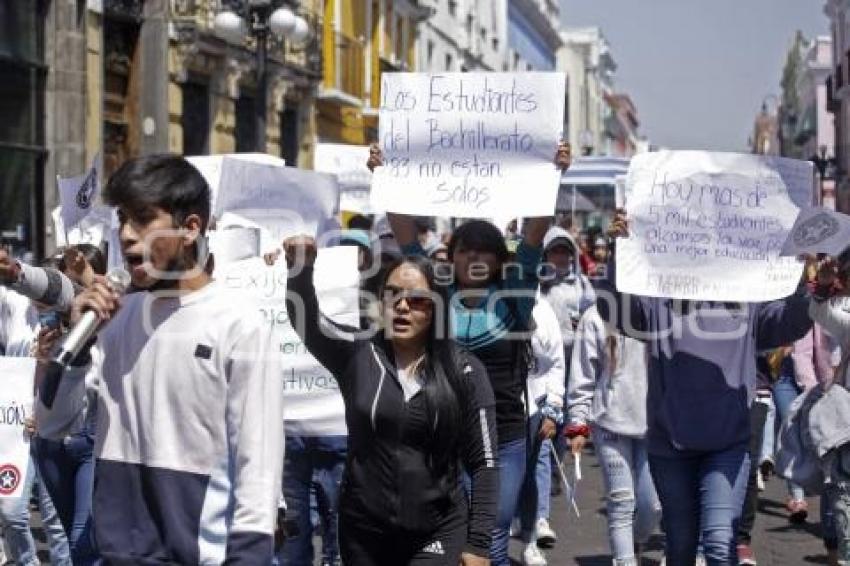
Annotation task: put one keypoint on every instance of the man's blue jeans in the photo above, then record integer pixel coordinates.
(701, 502)
(309, 459)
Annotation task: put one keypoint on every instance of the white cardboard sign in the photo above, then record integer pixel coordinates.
(469, 144)
(710, 226)
(16, 404)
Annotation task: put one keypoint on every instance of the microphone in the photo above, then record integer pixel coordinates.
(117, 280)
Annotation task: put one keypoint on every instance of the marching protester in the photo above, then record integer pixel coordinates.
(607, 395)
(419, 410)
(545, 401)
(67, 465)
(828, 311)
(700, 462)
(189, 429)
(489, 329)
(21, 322)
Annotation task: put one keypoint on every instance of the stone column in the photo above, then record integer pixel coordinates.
(153, 60)
(65, 102)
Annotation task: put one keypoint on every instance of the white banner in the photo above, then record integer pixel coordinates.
(79, 195)
(312, 402)
(348, 163)
(469, 144)
(710, 226)
(16, 402)
(210, 167)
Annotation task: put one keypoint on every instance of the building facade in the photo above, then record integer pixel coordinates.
(586, 58)
(838, 96)
(463, 35)
(123, 78)
(361, 39)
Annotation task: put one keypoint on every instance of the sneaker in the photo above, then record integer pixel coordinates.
(798, 511)
(544, 534)
(746, 556)
(766, 468)
(515, 528)
(533, 556)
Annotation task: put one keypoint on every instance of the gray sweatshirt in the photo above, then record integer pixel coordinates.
(611, 397)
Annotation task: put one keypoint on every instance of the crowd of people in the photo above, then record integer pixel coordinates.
(483, 359)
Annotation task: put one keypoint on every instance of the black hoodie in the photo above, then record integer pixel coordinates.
(389, 480)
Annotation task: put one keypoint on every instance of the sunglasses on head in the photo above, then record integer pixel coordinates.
(416, 300)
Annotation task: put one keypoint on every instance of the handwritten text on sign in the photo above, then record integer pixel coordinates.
(710, 226)
(16, 399)
(314, 405)
(469, 144)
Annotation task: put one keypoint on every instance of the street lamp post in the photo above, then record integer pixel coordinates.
(263, 18)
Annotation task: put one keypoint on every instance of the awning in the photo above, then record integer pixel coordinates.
(595, 171)
(565, 201)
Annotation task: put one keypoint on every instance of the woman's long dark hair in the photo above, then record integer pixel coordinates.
(441, 370)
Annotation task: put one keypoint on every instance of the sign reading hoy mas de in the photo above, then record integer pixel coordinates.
(711, 226)
(469, 144)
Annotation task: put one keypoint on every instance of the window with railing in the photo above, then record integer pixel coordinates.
(349, 64)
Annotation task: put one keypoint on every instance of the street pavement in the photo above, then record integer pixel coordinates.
(583, 541)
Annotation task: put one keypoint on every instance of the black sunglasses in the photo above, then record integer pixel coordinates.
(416, 300)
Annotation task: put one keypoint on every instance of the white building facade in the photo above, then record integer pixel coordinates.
(838, 96)
(585, 56)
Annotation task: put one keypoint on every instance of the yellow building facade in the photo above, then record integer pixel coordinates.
(360, 40)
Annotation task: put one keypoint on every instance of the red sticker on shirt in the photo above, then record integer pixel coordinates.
(10, 477)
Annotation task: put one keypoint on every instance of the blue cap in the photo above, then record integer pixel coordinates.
(355, 237)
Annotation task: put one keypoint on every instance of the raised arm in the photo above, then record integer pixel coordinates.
(45, 285)
(783, 322)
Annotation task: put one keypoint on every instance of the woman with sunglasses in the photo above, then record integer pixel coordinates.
(418, 409)
(491, 305)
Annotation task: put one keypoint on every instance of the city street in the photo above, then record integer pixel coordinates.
(583, 541)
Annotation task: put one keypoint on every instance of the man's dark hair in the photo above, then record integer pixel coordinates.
(360, 222)
(481, 236)
(164, 181)
(94, 255)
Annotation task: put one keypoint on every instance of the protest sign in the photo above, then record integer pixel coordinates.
(78, 195)
(469, 144)
(283, 201)
(210, 167)
(710, 226)
(16, 400)
(818, 230)
(313, 403)
(348, 163)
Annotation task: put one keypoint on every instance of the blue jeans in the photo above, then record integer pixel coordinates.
(631, 503)
(543, 472)
(512, 465)
(15, 518)
(312, 459)
(785, 390)
(67, 471)
(701, 502)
